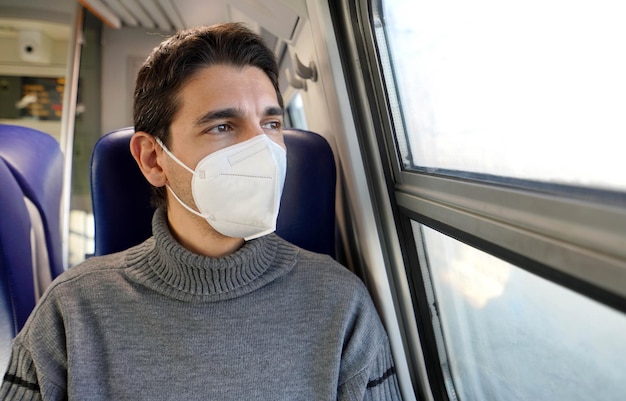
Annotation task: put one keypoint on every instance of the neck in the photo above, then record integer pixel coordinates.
(196, 235)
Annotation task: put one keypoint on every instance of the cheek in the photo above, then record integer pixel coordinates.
(178, 178)
(279, 139)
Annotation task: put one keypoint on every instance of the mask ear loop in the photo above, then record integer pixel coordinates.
(171, 155)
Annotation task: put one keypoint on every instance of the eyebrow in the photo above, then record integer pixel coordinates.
(232, 112)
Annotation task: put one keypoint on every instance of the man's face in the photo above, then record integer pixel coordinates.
(219, 106)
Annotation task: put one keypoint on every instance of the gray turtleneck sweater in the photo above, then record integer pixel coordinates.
(157, 322)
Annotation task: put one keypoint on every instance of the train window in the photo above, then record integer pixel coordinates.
(294, 114)
(493, 85)
(81, 236)
(494, 118)
(512, 335)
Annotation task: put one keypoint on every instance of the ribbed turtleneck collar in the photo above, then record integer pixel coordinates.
(163, 265)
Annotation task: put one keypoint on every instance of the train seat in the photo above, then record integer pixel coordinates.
(36, 161)
(121, 195)
(31, 176)
(17, 285)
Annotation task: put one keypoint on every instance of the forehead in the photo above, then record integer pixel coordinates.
(217, 83)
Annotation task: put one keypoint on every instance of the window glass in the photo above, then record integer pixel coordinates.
(531, 90)
(294, 115)
(511, 335)
(81, 236)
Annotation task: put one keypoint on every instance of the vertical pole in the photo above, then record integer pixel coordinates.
(68, 120)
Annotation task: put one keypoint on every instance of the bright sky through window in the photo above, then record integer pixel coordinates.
(532, 90)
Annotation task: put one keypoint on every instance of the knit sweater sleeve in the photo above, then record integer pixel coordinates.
(37, 367)
(367, 367)
(376, 382)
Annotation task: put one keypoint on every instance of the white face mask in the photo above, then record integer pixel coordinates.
(238, 189)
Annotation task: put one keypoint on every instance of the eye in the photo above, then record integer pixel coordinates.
(220, 129)
(273, 125)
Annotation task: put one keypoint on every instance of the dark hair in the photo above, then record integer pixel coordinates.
(175, 60)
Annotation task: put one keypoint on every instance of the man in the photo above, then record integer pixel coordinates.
(214, 306)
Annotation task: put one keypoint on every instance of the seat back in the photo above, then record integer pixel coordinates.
(16, 262)
(36, 161)
(31, 177)
(121, 194)
(17, 289)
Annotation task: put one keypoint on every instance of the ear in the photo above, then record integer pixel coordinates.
(145, 150)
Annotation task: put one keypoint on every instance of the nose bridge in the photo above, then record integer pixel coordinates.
(243, 153)
(252, 128)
